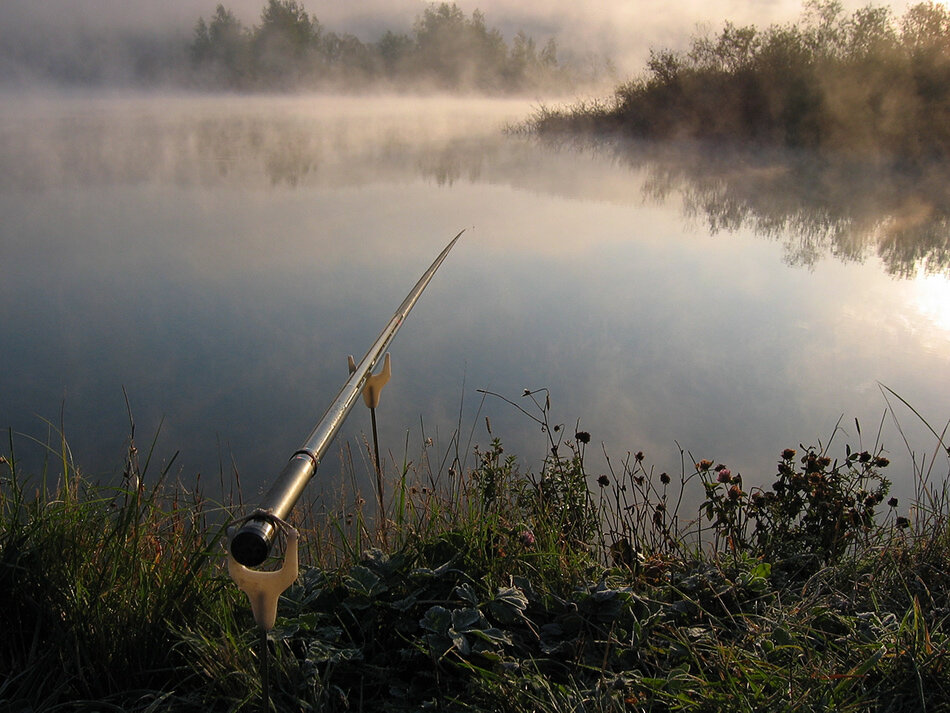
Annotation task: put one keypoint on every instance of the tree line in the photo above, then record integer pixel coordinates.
(865, 83)
(446, 50)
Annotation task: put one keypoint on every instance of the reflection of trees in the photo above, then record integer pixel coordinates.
(814, 206)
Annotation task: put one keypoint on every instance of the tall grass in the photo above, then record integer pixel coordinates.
(495, 588)
(95, 580)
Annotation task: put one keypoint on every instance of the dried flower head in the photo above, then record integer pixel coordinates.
(582, 437)
(603, 481)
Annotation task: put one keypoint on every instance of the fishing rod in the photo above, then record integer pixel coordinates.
(251, 544)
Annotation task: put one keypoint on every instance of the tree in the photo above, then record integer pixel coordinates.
(222, 47)
(286, 42)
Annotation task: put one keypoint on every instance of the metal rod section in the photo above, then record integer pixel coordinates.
(251, 544)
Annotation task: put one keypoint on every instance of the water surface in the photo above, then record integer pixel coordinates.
(218, 258)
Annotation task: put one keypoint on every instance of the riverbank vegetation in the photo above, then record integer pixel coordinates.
(866, 84)
(445, 51)
(494, 589)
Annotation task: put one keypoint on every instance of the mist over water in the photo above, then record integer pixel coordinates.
(218, 258)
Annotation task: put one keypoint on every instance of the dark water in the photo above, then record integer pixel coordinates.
(218, 258)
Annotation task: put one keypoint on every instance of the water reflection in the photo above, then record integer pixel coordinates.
(814, 208)
(220, 257)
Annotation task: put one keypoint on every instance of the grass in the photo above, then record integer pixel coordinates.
(493, 589)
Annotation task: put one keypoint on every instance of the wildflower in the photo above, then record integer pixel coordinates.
(639, 456)
(881, 462)
(892, 502)
(603, 481)
(664, 478)
(788, 454)
(704, 465)
(824, 461)
(903, 522)
(661, 507)
(582, 437)
(735, 492)
(725, 476)
(527, 537)
(864, 457)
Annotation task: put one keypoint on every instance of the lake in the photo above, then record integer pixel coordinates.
(217, 258)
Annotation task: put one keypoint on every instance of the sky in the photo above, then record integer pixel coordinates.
(623, 30)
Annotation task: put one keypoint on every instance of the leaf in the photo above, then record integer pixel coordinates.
(437, 619)
(763, 569)
(466, 594)
(508, 605)
(464, 619)
(366, 582)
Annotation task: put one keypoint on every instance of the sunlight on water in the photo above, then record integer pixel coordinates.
(932, 298)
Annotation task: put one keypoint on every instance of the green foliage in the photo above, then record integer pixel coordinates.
(94, 580)
(497, 590)
(811, 516)
(864, 84)
(446, 50)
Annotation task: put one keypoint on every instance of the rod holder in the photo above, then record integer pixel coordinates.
(374, 382)
(263, 589)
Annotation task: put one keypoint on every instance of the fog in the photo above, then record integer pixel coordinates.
(41, 37)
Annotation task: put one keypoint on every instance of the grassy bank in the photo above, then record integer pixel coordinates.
(493, 589)
(864, 84)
